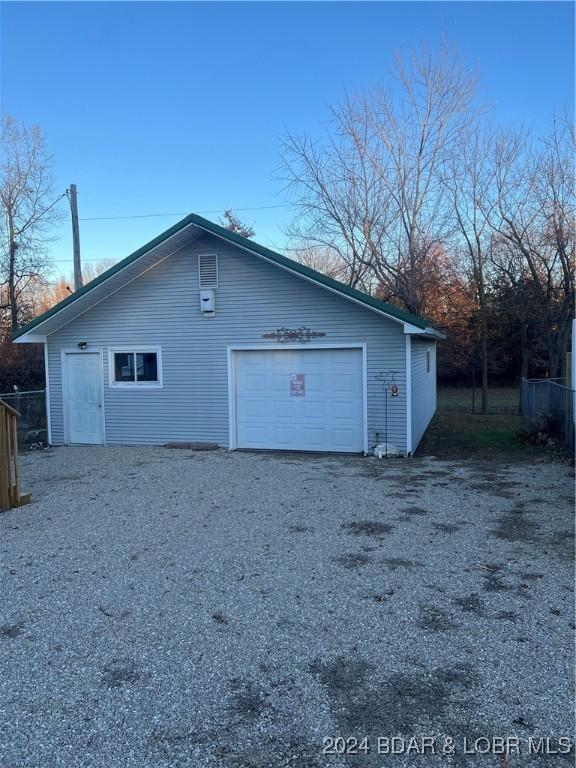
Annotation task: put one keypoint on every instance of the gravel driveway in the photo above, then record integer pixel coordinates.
(170, 608)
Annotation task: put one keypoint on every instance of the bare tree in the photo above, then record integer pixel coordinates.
(469, 179)
(232, 222)
(27, 209)
(324, 260)
(518, 301)
(534, 217)
(373, 190)
(43, 295)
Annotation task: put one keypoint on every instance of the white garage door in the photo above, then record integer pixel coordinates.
(300, 399)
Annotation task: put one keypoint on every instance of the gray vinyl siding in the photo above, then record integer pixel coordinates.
(423, 387)
(161, 308)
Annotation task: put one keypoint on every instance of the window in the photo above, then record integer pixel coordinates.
(428, 360)
(135, 367)
(208, 270)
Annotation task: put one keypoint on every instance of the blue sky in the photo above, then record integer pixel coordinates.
(177, 107)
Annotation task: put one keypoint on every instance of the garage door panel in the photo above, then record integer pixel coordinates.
(282, 436)
(253, 412)
(316, 383)
(340, 406)
(282, 359)
(276, 381)
(340, 356)
(315, 411)
(341, 438)
(250, 383)
(345, 384)
(320, 410)
(281, 410)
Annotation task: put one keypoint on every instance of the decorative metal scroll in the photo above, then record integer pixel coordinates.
(386, 378)
(285, 335)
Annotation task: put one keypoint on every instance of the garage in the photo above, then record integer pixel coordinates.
(299, 399)
(270, 354)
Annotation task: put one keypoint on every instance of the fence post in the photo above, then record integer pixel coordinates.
(10, 495)
(15, 500)
(4, 462)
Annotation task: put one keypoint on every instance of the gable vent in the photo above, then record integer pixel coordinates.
(208, 270)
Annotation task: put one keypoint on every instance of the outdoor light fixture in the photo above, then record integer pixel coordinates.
(82, 344)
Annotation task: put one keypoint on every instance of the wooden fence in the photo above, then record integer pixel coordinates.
(10, 495)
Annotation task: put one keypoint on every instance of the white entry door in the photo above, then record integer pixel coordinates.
(300, 399)
(83, 397)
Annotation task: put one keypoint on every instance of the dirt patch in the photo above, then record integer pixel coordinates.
(507, 616)
(380, 597)
(119, 672)
(398, 704)
(446, 527)
(561, 545)
(415, 511)
(288, 753)
(380, 470)
(10, 631)
(352, 560)
(300, 529)
(529, 576)
(517, 528)
(342, 674)
(494, 575)
(434, 619)
(248, 702)
(367, 528)
(493, 488)
(470, 604)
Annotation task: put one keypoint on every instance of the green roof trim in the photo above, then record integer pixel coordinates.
(246, 244)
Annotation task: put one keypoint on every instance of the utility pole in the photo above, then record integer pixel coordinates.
(75, 236)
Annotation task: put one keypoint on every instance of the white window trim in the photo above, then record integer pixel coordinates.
(208, 287)
(113, 384)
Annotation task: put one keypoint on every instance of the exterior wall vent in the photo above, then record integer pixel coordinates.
(208, 270)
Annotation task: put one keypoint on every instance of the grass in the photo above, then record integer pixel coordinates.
(457, 432)
(461, 399)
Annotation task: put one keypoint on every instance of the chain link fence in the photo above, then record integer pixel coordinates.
(549, 401)
(31, 424)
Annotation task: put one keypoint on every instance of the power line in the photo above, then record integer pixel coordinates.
(54, 203)
(160, 215)
(65, 261)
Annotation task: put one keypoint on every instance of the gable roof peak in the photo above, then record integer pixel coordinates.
(209, 227)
